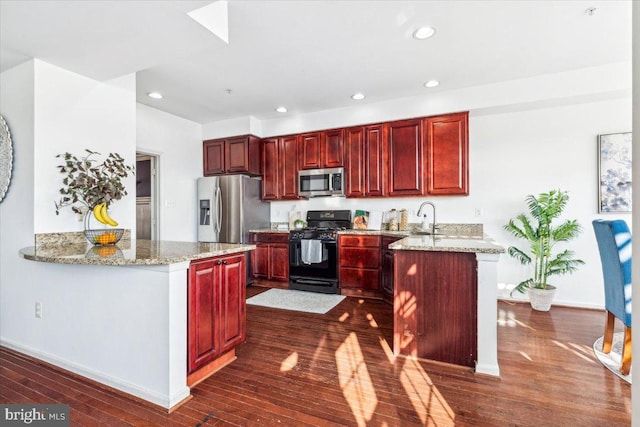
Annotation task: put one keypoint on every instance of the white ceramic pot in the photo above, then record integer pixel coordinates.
(541, 299)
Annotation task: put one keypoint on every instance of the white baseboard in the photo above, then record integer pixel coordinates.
(152, 396)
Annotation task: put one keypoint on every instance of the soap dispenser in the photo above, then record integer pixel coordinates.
(425, 224)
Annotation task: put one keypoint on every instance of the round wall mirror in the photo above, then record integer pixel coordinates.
(6, 157)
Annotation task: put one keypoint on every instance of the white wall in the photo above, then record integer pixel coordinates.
(74, 113)
(178, 144)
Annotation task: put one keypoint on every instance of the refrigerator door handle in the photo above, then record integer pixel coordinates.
(218, 209)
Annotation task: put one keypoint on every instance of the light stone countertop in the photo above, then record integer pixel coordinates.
(131, 252)
(443, 243)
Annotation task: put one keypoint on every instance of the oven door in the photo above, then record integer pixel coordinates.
(323, 267)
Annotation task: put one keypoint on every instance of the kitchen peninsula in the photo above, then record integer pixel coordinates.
(445, 303)
(119, 315)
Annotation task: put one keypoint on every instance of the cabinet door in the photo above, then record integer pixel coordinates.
(279, 262)
(288, 161)
(333, 148)
(260, 261)
(270, 169)
(447, 154)
(387, 272)
(355, 164)
(237, 154)
(436, 306)
(213, 157)
(203, 329)
(232, 289)
(405, 158)
(309, 150)
(375, 160)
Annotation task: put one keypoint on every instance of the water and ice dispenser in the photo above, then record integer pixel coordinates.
(205, 212)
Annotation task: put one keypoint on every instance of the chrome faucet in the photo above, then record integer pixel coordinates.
(433, 225)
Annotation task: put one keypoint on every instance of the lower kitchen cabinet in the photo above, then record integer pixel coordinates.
(270, 259)
(435, 306)
(216, 312)
(359, 262)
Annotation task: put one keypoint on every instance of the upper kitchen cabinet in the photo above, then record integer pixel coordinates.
(239, 154)
(280, 168)
(406, 162)
(447, 146)
(364, 165)
(321, 149)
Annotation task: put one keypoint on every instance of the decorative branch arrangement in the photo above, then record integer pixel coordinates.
(90, 183)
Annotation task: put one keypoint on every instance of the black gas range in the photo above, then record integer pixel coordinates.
(313, 251)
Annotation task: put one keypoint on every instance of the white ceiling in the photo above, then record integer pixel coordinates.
(310, 55)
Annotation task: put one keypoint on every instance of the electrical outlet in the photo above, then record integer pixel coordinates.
(479, 212)
(38, 310)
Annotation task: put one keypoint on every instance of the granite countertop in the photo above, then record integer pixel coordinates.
(444, 243)
(130, 252)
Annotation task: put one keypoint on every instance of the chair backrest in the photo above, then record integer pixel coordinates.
(614, 244)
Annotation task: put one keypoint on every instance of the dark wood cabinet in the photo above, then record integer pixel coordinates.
(333, 148)
(435, 306)
(239, 154)
(270, 259)
(365, 161)
(414, 157)
(321, 149)
(216, 312)
(280, 168)
(447, 146)
(288, 162)
(310, 150)
(359, 262)
(270, 169)
(386, 279)
(406, 159)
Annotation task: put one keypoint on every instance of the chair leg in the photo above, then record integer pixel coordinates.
(625, 367)
(608, 332)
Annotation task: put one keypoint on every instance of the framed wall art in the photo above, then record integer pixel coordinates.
(614, 169)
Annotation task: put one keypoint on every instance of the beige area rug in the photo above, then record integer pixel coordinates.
(286, 299)
(612, 360)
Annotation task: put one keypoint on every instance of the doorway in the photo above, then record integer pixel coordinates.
(146, 196)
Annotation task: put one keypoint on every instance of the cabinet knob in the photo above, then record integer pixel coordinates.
(224, 262)
(219, 262)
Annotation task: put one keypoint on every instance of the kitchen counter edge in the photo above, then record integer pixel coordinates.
(135, 252)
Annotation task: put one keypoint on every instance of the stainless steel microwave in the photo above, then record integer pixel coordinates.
(321, 182)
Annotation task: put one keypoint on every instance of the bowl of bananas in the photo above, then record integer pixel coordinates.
(103, 236)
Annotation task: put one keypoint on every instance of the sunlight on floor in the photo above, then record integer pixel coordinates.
(526, 356)
(506, 318)
(290, 362)
(355, 381)
(561, 345)
(372, 321)
(428, 402)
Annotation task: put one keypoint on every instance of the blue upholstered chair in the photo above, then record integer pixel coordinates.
(614, 243)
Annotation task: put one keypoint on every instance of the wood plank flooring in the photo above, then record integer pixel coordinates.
(299, 369)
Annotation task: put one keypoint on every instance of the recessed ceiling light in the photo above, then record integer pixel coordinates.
(281, 110)
(432, 83)
(424, 33)
(155, 95)
(357, 96)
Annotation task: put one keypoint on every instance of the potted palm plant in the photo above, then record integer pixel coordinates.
(539, 230)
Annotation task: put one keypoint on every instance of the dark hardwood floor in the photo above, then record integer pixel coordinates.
(299, 369)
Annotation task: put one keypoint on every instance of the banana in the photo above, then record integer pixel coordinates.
(97, 212)
(105, 215)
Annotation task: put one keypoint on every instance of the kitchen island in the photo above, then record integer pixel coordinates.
(118, 315)
(445, 302)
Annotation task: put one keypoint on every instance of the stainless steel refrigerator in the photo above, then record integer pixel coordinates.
(228, 207)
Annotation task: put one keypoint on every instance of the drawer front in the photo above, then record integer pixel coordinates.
(360, 241)
(359, 278)
(360, 257)
(269, 237)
